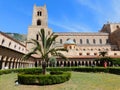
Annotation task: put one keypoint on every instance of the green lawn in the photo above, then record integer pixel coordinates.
(78, 81)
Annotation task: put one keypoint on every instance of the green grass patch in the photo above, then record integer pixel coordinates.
(78, 81)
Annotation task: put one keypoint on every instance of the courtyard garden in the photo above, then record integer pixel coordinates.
(78, 81)
(82, 78)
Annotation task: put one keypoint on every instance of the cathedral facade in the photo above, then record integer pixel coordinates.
(80, 45)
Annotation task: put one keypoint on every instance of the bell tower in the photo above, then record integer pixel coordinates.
(39, 21)
(39, 16)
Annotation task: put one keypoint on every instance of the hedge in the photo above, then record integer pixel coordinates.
(29, 79)
(113, 70)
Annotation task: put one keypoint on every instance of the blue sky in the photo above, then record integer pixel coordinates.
(63, 15)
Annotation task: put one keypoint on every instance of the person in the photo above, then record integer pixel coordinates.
(105, 64)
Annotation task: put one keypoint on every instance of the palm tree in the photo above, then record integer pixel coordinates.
(103, 53)
(103, 59)
(44, 48)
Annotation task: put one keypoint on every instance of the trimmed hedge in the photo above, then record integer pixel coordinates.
(6, 71)
(113, 70)
(43, 79)
(25, 70)
(56, 72)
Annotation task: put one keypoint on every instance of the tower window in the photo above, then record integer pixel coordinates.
(37, 37)
(48, 32)
(39, 13)
(38, 22)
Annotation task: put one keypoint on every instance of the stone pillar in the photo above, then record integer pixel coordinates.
(22, 64)
(63, 63)
(3, 63)
(14, 63)
(11, 64)
(18, 63)
(66, 63)
(1, 57)
(8, 63)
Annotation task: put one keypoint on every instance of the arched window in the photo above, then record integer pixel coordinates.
(14, 46)
(80, 41)
(94, 42)
(60, 41)
(100, 41)
(107, 41)
(19, 48)
(87, 41)
(74, 40)
(38, 22)
(9, 44)
(39, 13)
(2, 41)
(37, 37)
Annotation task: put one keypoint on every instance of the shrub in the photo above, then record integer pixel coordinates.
(114, 70)
(43, 79)
(56, 72)
(116, 62)
(5, 71)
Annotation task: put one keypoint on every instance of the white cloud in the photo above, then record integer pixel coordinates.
(70, 27)
(105, 10)
(94, 5)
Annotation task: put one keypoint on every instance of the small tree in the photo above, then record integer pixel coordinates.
(52, 61)
(44, 48)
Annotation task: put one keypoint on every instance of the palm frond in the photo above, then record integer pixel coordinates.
(61, 55)
(27, 56)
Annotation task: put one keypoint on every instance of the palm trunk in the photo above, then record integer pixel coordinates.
(44, 67)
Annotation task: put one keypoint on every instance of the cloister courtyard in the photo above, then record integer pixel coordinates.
(78, 81)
